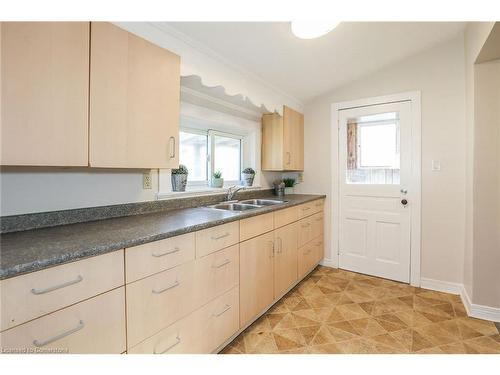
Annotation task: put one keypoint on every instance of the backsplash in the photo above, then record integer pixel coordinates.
(15, 223)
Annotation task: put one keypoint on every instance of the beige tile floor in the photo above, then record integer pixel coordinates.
(336, 311)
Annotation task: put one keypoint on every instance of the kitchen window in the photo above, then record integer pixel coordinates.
(205, 152)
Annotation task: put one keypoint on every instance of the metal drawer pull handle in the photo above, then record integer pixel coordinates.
(39, 344)
(272, 249)
(177, 283)
(227, 307)
(175, 250)
(52, 288)
(281, 245)
(172, 149)
(177, 342)
(218, 238)
(222, 264)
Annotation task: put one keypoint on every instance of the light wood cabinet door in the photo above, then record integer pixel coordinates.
(44, 93)
(285, 260)
(256, 276)
(134, 101)
(272, 142)
(283, 141)
(293, 139)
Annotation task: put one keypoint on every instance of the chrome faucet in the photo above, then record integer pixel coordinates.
(232, 190)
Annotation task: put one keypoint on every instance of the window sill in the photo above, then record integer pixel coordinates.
(199, 191)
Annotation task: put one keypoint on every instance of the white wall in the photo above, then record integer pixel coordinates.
(486, 195)
(476, 34)
(439, 74)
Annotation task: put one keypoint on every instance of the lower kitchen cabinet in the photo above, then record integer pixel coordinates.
(285, 258)
(256, 276)
(185, 294)
(202, 331)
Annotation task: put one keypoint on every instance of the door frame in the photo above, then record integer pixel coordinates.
(415, 184)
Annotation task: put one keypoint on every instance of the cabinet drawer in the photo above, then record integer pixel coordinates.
(159, 300)
(35, 294)
(178, 338)
(95, 326)
(219, 320)
(216, 273)
(216, 238)
(154, 257)
(319, 249)
(310, 208)
(318, 205)
(255, 226)
(305, 231)
(286, 216)
(306, 259)
(317, 225)
(203, 331)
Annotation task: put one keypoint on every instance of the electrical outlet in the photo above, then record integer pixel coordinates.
(146, 180)
(300, 177)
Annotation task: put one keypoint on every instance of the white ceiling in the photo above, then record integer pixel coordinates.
(308, 68)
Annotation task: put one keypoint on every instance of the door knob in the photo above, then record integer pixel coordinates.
(404, 191)
(404, 202)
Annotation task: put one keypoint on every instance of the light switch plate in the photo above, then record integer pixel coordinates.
(436, 165)
(146, 180)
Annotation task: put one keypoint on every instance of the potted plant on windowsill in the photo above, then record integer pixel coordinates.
(289, 184)
(247, 176)
(217, 180)
(179, 178)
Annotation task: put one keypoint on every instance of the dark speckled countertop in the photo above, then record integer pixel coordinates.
(33, 250)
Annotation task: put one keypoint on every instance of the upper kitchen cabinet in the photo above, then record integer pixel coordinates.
(44, 83)
(283, 141)
(134, 101)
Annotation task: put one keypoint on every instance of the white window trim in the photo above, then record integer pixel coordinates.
(203, 187)
(211, 152)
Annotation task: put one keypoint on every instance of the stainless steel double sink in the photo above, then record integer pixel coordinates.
(248, 204)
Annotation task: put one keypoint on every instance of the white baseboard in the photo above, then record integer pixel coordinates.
(328, 263)
(441, 286)
(479, 311)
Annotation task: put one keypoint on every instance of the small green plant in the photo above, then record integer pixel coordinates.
(217, 174)
(248, 171)
(181, 170)
(289, 182)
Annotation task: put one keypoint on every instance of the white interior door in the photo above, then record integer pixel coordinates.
(375, 170)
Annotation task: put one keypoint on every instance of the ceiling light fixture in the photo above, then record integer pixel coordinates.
(310, 29)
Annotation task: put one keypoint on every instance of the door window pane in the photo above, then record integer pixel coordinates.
(373, 155)
(227, 157)
(193, 154)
